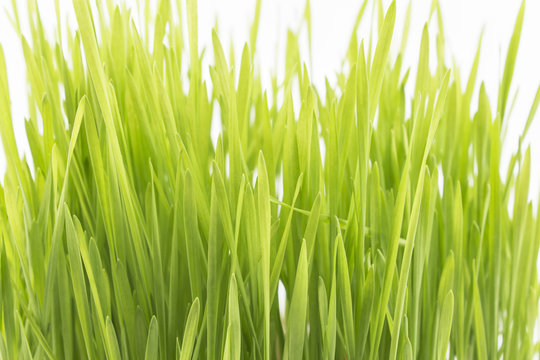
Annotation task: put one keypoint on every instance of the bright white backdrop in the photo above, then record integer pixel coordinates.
(332, 24)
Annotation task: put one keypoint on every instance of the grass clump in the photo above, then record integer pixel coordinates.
(132, 235)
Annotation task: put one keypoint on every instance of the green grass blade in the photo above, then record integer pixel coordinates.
(151, 352)
(510, 63)
(296, 318)
(190, 332)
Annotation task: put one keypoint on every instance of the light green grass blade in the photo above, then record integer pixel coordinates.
(78, 282)
(296, 318)
(213, 292)
(263, 200)
(192, 236)
(510, 63)
(479, 323)
(380, 59)
(344, 281)
(234, 321)
(151, 352)
(445, 325)
(190, 332)
(112, 340)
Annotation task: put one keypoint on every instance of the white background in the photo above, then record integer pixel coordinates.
(332, 25)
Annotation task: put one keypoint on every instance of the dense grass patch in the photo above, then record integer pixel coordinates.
(131, 234)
